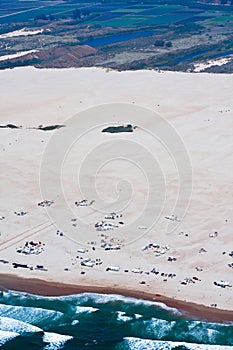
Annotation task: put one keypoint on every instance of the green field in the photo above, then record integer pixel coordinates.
(117, 15)
(128, 16)
(139, 19)
(127, 10)
(171, 7)
(127, 21)
(29, 14)
(165, 19)
(141, 15)
(221, 19)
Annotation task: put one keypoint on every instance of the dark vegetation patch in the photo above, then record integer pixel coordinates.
(40, 127)
(50, 127)
(10, 126)
(120, 128)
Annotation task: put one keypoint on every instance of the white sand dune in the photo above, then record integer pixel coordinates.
(21, 32)
(15, 55)
(199, 67)
(138, 174)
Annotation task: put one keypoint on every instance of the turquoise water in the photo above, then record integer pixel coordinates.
(98, 321)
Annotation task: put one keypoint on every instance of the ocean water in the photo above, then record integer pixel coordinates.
(99, 321)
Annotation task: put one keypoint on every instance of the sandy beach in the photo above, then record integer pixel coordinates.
(157, 216)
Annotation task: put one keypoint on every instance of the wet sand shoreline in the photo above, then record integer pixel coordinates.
(52, 289)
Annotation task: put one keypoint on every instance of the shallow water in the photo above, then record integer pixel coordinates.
(111, 39)
(99, 321)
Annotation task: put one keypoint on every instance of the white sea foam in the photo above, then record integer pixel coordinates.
(106, 298)
(30, 315)
(97, 298)
(168, 308)
(201, 331)
(6, 336)
(101, 298)
(212, 334)
(20, 295)
(11, 325)
(121, 316)
(74, 322)
(85, 309)
(157, 327)
(146, 344)
(55, 340)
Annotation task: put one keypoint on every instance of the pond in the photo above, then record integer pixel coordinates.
(111, 39)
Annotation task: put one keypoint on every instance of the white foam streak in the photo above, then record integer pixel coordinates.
(56, 341)
(106, 298)
(11, 325)
(99, 299)
(201, 331)
(6, 336)
(159, 328)
(85, 309)
(145, 344)
(30, 315)
(74, 322)
(121, 316)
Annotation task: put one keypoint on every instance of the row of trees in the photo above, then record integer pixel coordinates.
(162, 43)
(43, 17)
(76, 14)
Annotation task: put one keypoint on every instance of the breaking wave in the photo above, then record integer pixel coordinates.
(146, 344)
(103, 322)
